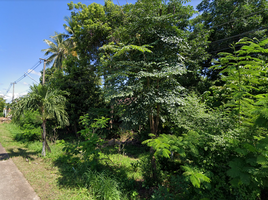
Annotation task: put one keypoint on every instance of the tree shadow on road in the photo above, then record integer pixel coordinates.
(16, 152)
(4, 156)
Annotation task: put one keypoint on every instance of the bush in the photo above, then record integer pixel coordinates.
(30, 123)
(101, 186)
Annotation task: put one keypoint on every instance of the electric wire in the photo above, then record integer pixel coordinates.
(24, 75)
(233, 20)
(8, 89)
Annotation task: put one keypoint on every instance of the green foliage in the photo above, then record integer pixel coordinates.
(101, 186)
(243, 73)
(59, 49)
(148, 172)
(176, 189)
(135, 165)
(149, 55)
(227, 22)
(83, 89)
(50, 104)
(261, 110)
(30, 122)
(96, 127)
(90, 147)
(142, 66)
(250, 167)
(2, 104)
(165, 144)
(195, 176)
(29, 118)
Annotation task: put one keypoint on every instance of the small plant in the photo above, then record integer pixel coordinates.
(90, 147)
(101, 186)
(135, 165)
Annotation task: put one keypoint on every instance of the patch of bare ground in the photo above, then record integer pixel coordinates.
(4, 120)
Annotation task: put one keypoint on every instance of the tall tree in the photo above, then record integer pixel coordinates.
(82, 85)
(93, 26)
(50, 104)
(147, 58)
(59, 48)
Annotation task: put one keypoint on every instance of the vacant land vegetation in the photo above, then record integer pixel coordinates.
(146, 101)
(118, 174)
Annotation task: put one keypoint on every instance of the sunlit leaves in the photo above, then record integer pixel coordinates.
(196, 177)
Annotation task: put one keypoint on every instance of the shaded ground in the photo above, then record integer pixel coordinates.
(13, 185)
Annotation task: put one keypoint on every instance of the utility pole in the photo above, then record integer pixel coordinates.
(44, 69)
(13, 91)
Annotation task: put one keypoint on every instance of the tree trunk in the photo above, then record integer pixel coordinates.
(45, 144)
(44, 139)
(112, 116)
(75, 129)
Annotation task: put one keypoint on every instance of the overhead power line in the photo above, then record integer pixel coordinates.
(244, 33)
(29, 71)
(24, 75)
(8, 89)
(233, 20)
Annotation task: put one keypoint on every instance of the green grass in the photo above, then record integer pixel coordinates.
(40, 172)
(57, 177)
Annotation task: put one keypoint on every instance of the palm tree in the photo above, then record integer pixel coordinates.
(59, 48)
(49, 102)
(69, 28)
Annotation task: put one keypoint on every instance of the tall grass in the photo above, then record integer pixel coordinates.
(101, 186)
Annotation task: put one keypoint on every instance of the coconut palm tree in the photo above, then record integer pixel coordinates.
(49, 102)
(59, 48)
(69, 28)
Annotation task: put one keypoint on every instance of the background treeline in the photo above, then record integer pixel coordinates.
(191, 87)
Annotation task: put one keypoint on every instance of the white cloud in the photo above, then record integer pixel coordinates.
(34, 72)
(24, 83)
(8, 97)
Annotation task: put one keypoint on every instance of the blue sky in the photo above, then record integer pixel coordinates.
(24, 25)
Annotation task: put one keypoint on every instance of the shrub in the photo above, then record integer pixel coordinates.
(30, 123)
(101, 186)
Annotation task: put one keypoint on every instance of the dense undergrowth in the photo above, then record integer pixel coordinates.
(206, 157)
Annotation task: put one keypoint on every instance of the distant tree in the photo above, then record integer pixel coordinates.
(50, 104)
(2, 104)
